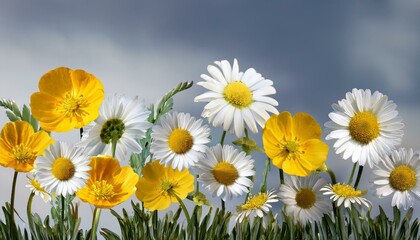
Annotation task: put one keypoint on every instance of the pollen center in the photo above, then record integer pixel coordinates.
(71, 105)
(345, 190)
(364, 127)
(225, 173)
(102, 190)
(238, 94)
(402, 178)
(113, 128)
(256, 202)
(22, 154)
(291, 146)
(305, 198)
(63, 169)
(180, 141)
(166, 187)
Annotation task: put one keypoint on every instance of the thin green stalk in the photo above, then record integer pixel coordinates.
(352, 174)
(332, 176)
(281, 176)
(222, 140)
(62, 199)
(223, 205)
(359, 175)
(95, 223)
(114, 144)
(181, 203)
(29, 211)
(197, 184)
(266, 170)
(246, 132)
(12, 206)
(249, 189)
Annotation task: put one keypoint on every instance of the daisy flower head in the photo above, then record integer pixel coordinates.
(365, 126)
(399, 174)
(67, 99)
(236, 99)
(35, 187)
(63, 169)
(161, 185)
(20, 145)
(180, 141)
(293, 143)
(343, 193)
(109, 184)
(225, 170)
(257, 205)
(121, 119)
(303, 198)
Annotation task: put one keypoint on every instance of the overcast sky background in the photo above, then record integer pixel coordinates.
(313, 52)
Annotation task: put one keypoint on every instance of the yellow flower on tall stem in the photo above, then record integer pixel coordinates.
(108, 185)
(293, 143)
(162, 185)
(67, 99)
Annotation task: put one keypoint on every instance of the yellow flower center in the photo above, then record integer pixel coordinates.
(63, 169)
(102, 190)
(22, 153)
(305, 198)
(403, 178)
(291, 146)
(347, 191)
(180, 141)
(112, 128)
(36, 185)
(71, 105)
(255, 202)
(166, 187)
(225, 173)
(364, 127)
(238, 94)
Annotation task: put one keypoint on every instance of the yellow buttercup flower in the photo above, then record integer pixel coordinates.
(67, 99)
(109, 184)
(20, 145)
(161, 185)
(293, 143)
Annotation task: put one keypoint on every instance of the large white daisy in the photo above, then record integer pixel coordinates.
(225, 170)
(303, 198)
(258, 205)
(399, 174)
(345, 194)
(63, 169)
(120, 118)
(236, 99)
(365, 126)
(180, 141)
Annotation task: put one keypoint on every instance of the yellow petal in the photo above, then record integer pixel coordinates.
(56, 82)
(305, 127)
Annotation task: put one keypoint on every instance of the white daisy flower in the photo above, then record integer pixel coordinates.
(180, 141)
(365, 126)
(225, 170)
(36, 188)
(63, 169)
(236, 98)
(119, 117)
(343, 193)
(303, 198)
(258, 205)
(399, 174)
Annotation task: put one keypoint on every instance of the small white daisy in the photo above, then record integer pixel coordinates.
(343, 193)
(36, 188)
(119, 117)
(225, 170)
(236, 98)
(180, 141)
(303, 198)
(63, 169)
(399, 174)
(365, 126)
(257, 205)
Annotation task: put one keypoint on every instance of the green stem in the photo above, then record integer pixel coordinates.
(281, 176)
(12, 206)
(62, 200)
(197, 185)
(332, 176)
(352, 174)
(222, 140)
(29, 212)
(223, 205)
(114, 144)
(249, 189)
(95, 222)
(246, 132)
(181, 203)
(266, 170)
(359, 175)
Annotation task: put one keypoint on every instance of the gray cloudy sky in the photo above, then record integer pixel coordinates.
(313, 52)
